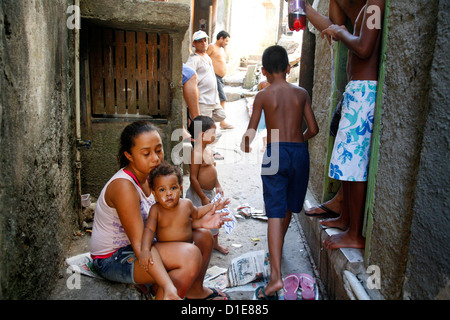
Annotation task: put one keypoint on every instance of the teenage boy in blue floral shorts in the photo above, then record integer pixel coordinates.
(350, 157)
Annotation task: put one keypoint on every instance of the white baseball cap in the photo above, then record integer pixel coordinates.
(199, 35)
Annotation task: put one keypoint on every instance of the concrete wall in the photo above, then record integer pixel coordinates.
(430, 243)
(38, 200)
(321, 94)
(410, 232)
(100, 162)
(410, 238)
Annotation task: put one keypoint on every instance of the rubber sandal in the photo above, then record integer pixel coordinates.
(227, 127)
(266, 297)
(214, 294)
(290, 287)
(307, 286)
(145, 289)
(327, 214)
(218, 156)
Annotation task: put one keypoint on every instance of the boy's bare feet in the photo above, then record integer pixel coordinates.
(344, 240)
(218, 246)
(221, 249)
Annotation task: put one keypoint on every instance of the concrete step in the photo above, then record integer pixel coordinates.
(335, 266)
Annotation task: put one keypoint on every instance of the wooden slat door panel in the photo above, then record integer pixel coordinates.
(108, 64)
(95, 58)
(153, 73)
(164, 74)
(130, 72)
(119, 69)
(142, 73)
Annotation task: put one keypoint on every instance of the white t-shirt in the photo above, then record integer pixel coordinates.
(207, 81)
(108, 234)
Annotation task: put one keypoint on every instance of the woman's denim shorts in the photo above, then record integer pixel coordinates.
(119, 267)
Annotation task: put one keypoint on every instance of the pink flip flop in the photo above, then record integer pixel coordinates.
(290, 286)
(307, 286)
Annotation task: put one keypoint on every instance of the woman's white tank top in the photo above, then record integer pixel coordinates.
(108, 234)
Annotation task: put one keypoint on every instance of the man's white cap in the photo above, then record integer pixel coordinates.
(199, 35)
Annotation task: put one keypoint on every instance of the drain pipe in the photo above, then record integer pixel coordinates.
(356, 286)
(77, 77)
(77, 111)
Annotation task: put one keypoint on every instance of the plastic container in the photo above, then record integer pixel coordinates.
(297, 15)
(86, 200)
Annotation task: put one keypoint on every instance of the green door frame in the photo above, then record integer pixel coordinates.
(375, 141)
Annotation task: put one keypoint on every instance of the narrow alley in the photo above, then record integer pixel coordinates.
(239, 175)
(74, 73)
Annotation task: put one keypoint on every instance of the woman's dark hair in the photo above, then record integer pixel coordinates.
(165, 169)
(127, 137)
(275, 59)
(206, 123)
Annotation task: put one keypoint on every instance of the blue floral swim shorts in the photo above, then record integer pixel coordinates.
(350, 157)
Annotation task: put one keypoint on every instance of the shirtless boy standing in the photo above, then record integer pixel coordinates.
(285, 106)
(350, 157)
(203, 174)
(217, 54)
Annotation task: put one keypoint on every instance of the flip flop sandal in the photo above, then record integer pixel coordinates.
(307, 286)
(145, 289)
(228, 127)
(214, 294)
(266, 297)
(290, 286)
(218, 156)
(327, 214)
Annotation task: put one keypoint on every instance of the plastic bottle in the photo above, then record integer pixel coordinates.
(297, 15)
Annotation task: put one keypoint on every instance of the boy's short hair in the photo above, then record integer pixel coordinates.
(207, 123)
(275, 59)
(222, 34)
(165, 169)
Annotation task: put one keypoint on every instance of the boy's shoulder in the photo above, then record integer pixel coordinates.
(300, 92)
(297, 88)
(285, 86)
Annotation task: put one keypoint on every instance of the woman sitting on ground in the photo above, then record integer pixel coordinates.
(123, 207)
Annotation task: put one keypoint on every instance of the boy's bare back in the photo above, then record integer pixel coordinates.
(283, 105)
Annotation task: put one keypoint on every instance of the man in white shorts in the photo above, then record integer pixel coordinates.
(200, 61)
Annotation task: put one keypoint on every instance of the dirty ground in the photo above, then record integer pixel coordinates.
(239, 175)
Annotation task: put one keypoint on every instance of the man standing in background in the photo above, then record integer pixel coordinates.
(201, 63)
(217, 54)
